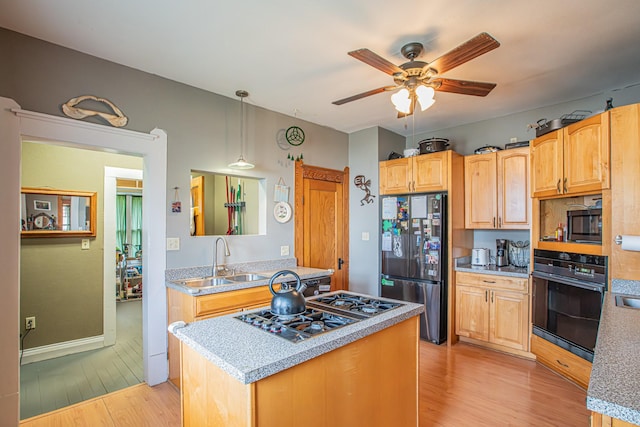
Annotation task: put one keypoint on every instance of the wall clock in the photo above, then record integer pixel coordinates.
(282, 212)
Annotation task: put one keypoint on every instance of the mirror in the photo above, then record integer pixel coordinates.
(226, 204)
(57, 213)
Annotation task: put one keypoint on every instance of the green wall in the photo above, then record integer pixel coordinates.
(60, 284)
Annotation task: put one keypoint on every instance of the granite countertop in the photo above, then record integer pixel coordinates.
(250, 354)
(464, 264)
(303, 272)
(614, 385)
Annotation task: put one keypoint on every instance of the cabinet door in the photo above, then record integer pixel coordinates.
(509, 319)
(395, 176)
(472, 312)
(546, 165)
(430, 172)
(586, 155)
(480, 191)
(514, 203)
(625, 188)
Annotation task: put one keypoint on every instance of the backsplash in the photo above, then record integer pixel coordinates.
(242, 267)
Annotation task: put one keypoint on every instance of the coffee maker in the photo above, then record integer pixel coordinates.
(502, 254)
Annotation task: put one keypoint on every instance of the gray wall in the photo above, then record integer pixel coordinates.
(203, 132)
(366, 149)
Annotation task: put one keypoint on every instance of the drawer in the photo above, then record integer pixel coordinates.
(561, 361)
(493, 281)
(228, 301)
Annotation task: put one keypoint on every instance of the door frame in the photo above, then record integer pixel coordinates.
(303, 172)
(152, 147)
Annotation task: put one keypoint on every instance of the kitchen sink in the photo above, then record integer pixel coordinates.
(248, 277)
(204, 282)
(626, 301)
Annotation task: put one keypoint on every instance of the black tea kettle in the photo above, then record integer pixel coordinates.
(287, 301)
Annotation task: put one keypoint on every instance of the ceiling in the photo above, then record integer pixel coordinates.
(291, 56)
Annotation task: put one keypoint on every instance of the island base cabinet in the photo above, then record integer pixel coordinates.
(600, 420)
(372, 381)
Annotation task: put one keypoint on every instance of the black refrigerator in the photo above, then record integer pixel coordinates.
(414, 257)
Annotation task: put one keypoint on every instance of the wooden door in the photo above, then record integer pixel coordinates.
(625, 189)
(546, 165)
(322, 221)
(430, 172)
(508, 319)
(472, 312)
(197, 197)
(480, 191)
(395, 176)
(586, 155)
(514, 203)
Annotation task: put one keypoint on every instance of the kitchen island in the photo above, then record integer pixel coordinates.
(363, 373)
(614, 386)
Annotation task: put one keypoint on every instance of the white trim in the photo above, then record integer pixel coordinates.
(153, 148)
(51, 351)
(109, 239)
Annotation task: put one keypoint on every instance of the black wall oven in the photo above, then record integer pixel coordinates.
(568, 290)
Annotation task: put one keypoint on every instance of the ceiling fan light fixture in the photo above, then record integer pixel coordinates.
(402, 101)
(241, 163)
(425, 96)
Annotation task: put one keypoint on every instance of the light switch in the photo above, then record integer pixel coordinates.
(284, 250)
(365, 235)
(173, 243)
(85, 244)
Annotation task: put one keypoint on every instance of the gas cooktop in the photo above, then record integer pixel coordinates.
(323, 314)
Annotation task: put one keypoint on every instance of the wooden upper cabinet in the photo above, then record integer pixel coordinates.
(586, 154)
(496, 190)
(480, 191)
(572, 160)
(514, 203)
(419, 174)
(430, 172)
(396, 176)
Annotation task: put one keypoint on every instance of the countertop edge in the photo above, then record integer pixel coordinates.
(613, 385)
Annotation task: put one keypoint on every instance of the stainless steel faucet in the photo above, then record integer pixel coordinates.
(215, 269)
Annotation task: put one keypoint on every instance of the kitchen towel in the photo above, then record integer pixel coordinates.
(630, 243)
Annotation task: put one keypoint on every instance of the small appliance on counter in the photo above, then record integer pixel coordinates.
(502, 255)
(480, 256)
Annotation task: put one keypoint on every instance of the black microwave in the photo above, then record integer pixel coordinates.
(584, 226)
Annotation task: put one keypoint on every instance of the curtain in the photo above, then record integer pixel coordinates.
(121, 222)
(136, 222)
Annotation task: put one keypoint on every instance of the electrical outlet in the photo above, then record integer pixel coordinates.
(365, 235)
(85, 244)
(173, 243)
(284, 250)
(30, 322)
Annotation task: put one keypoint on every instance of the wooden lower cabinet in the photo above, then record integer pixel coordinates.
(493, 309)
(370, 382)
(600, 420)
(190, 308)
(561, 361)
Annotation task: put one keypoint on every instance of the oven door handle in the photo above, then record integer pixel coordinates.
(570, 281)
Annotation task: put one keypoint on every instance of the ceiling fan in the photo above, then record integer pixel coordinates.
(417, 80)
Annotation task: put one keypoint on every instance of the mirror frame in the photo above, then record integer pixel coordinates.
(93, 199)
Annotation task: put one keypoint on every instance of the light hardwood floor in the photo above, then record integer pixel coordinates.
(459, 386)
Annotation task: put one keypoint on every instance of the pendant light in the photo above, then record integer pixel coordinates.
(241, 163)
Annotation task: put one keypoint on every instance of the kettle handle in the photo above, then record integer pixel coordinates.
(282, 273)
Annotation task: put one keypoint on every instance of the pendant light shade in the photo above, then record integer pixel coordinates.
(241, 163)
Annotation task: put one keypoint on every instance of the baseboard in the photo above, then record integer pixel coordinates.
(51, 351)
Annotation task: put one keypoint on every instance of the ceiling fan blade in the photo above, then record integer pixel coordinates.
(479, 45)
(364, 95)
(376, 61)
(464, 87)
